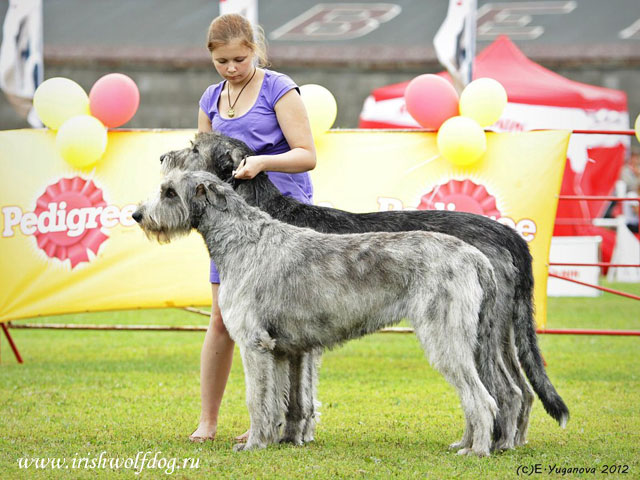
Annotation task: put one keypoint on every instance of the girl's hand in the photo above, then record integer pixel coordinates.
(249, 168)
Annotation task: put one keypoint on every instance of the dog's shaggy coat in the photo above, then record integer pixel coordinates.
(511, 340)
(287, 290)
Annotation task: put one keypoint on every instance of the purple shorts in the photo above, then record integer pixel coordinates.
(296, 185)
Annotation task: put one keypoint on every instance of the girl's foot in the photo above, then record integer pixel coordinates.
(203, 433)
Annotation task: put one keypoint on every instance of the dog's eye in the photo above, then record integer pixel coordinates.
(170, 193)
(195, 149)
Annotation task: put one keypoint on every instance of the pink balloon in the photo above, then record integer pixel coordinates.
(114, 99)
(431, 100)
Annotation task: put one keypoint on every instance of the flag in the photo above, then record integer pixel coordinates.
(455, 41)
(246, 8)
(21, 64)
(21, 60)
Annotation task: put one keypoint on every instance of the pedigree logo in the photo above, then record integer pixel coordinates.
(461, 195)
(467, 196)
(69, 221)
(464, 196)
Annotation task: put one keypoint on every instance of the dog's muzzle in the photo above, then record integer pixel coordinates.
(137, 215)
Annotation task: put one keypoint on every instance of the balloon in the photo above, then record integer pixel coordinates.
(114, 99)
(58, 99)
(321, 107)
(483, 100)
(637, 127)
(81, 141)
(461, 141)
(431, 100)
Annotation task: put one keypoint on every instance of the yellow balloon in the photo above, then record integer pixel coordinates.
(483, 100)
(81, 141)
(58, 99)
(637, 127)
(461, 141)
(321, 106)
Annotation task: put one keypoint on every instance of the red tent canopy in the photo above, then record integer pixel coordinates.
(527, 82)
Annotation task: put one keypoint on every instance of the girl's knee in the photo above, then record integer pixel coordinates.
(216, 325)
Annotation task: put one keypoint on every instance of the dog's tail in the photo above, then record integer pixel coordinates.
(527, 346)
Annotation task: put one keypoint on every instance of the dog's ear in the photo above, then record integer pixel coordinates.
(237, 155)
(213, 194)
(219, 161)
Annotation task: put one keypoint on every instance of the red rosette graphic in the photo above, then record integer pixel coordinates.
(462, 196)
(73, 226)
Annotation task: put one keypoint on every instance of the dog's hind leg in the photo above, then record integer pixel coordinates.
(266, 378)
(509, 399)
(528, 396)
(450, 343)
(493, 355)
(479, 407)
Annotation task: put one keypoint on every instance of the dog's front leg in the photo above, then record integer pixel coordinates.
(294, 420)
(300, 423)
(264, 378)
(311, 404)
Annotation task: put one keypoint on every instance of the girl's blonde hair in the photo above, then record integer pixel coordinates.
(226, 28)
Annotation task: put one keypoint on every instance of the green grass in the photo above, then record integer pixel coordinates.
(386, 413)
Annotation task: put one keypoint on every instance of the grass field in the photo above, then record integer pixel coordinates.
(385, 414)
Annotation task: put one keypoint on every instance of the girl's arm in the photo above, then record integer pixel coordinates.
(294, 122)
(204, 124)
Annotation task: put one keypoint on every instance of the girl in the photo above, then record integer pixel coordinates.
(263, 108)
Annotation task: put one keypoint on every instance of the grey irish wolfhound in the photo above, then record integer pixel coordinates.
(511, 341)
(287, 290)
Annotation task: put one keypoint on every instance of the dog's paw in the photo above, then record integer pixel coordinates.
(502, 446)
(476, 452)
(481, 453)
(292, 440)
(245, 447)
(459, 445)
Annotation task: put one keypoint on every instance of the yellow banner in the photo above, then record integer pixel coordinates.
(68, 242)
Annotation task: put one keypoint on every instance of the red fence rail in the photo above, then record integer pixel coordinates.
(599, 264)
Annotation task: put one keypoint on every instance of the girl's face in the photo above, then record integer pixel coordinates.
(233, 61)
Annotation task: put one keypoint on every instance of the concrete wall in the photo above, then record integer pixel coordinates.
(169, 97)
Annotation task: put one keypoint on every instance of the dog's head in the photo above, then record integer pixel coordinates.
(212, 152)
(180, 203)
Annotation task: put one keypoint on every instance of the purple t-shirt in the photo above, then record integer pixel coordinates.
(260, 130)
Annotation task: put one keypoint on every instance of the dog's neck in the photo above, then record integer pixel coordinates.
(232, 233)
(261, 192)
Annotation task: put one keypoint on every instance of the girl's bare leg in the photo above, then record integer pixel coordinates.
(215, 364)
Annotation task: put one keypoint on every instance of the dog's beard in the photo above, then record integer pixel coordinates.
(162, 235)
